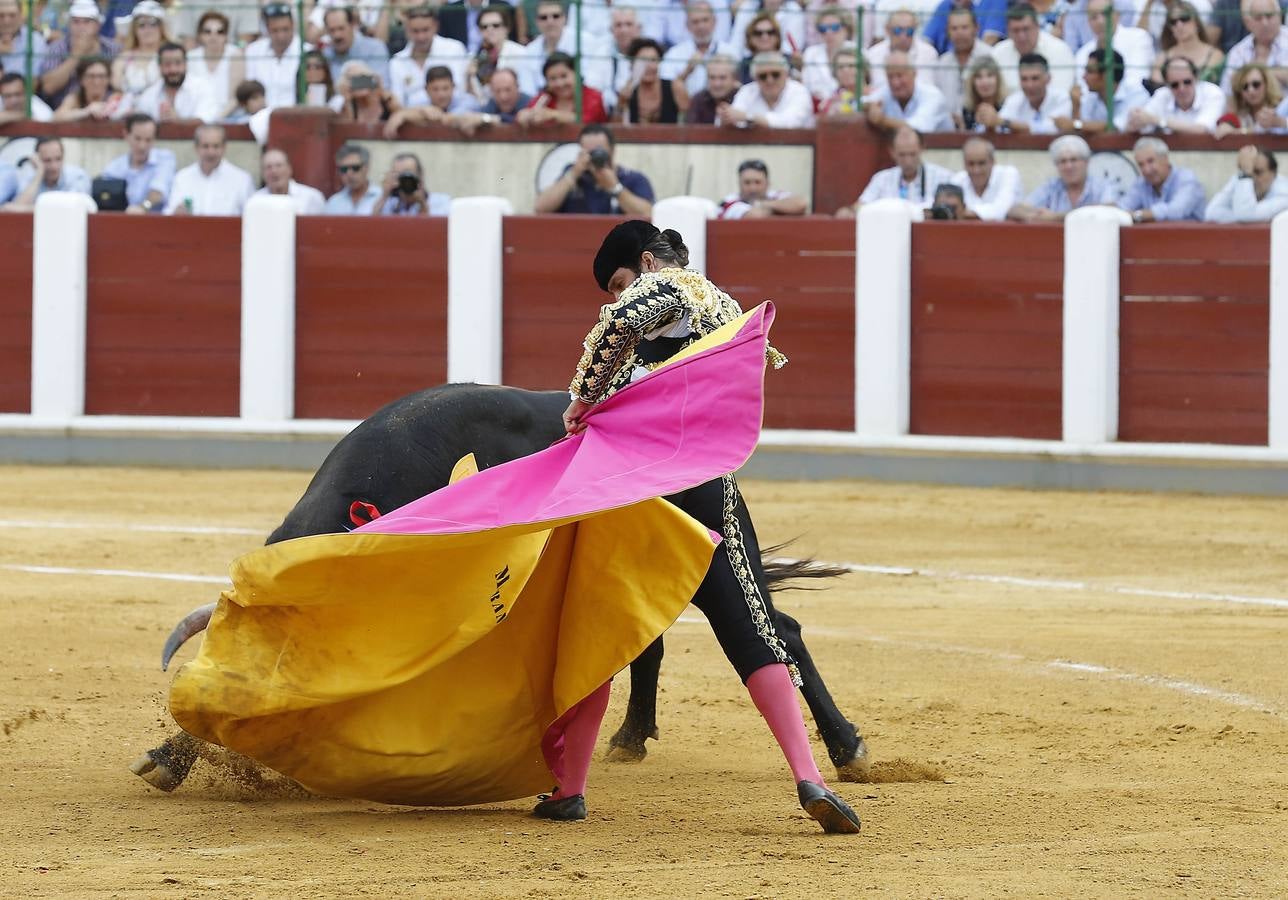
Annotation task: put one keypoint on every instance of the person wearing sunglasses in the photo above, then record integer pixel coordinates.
(1136, 45)
(136, 68)
(964, 51)
(1185, 106)
(836, 27)
(789, 20)
(357, 195)
(215, 62)
(1256, 193)
(903, 100)
(1258, 105)
(274, 60)
(557, 35)
(989, 16)
(1163, 192)
(901, 37)
(497, 51)
(1184, 34)
(773, 100)
(762, 35)
(1267, 42)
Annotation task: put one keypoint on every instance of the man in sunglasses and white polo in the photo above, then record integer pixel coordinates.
(772, 99)
(901, 37)
(1187, 105)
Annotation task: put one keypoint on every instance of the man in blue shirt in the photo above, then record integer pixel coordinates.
(1163, 192)
(1072, 188)
(146, 169)
(990, 14)
(47, 173)
(596, 184)
(347, 43)
(8, 182)
(359, 196)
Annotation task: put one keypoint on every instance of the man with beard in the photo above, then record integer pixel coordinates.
(174, 98)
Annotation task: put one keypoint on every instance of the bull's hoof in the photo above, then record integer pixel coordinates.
(858, 768)
(157, 774)
(628, 748)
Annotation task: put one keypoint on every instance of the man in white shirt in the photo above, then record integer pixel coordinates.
(1186, 106)
(625, 29)
(211, 186)
(359, 196)
(686, 61)
(908, 179)
(991, 190)
(275, 168)
(1024, 36)
(1266, 42)
(13, 101)
(1034, 108)
(903, 100)
(1135, 44)
(965, 48)
(901, 37)
(425, 48)
(274, 61)
(556, 35)
(1257, 193)
(174, 98)
(772, 99)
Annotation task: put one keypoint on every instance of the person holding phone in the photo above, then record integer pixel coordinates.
(366, 99)
(647, 98)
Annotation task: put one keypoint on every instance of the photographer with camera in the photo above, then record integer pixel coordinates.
(404, 192)
(595, 184)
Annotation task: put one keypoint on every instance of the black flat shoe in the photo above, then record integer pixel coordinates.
(569, 809)
(829, 810)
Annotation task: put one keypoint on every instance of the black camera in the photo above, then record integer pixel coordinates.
(408, 183)
(600, 159)
(942, 212)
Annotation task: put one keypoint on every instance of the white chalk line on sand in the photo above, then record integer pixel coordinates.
(116, 573)
(129, 526)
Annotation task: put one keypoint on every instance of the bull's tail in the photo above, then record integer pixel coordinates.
(783, 573)
(194, 622)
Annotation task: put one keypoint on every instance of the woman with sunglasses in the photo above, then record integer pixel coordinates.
(557, 102)
(834, 26)
(216, 62)
(1257, 103)
(762, 35)
(788, 15)
(496, 24)
(1184, 35)
(983, 92)
(646, 98)
(94, 97)
(319, 89)
(136, 68)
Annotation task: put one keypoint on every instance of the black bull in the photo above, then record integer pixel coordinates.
(408, 449)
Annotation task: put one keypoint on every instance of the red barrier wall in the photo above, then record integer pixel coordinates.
(15, 314)
(806, 266)
(371, 312)
(164, 317)
(551, 299)
(1194, 331)
(987, 315)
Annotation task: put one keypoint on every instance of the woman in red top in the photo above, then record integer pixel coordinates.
(558, 103)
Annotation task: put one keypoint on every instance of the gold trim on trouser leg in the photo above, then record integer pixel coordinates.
(737, 551)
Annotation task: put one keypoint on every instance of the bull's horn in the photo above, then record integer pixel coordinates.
(193, 623)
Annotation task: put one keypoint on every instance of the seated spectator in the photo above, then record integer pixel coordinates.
(988, 19)
(365, 97)
(762, 35)
(13, 101)
(1185, 106)
(1024, 36)
(949, 203)
(788, 17)
(1136, 45)
(93, 97)
(594, 183)
(625, 27)
(1256, 101)
(319, 89)
(275, 60)
(557, 103)
(1225, 25)
(965, 49)
(908, 179)
(983, 94)
(216, 62)
(426, 49)
(901, 38)
(250, 98)
(646, 98)
(462, 20)
(836, 26)
(137, 67)
(58, 69)
(212, 186)
(755, 199)
(359, 196)
(444, 104)
(242, 21)
(1267, 42)
(275, 169)
(722, 87)
(13, 39)
(904, 100)
(174, 98)
(1072, 187)
(47, 173)
(773, 100)
(506, 103)
(846, 101)
(147, 170)
(404, 192)
(8, 182)
(350, 45)
(1257, 193)
(1163, 192)
(1185, 35)
(991, 190)
(557, 36)
(1035, 107)
(685, 61)
(496, 23)
(1089, 110)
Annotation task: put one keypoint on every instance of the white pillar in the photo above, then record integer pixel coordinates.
(268, 309)
(1091, 302)
(1279, 332)
(59, 291)
(687, 215)
(883, 317)
(475, 255)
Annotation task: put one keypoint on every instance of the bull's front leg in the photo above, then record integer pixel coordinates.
(845, 746)
(627, 745)
(166, 767)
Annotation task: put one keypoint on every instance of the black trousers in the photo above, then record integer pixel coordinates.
(734, 596)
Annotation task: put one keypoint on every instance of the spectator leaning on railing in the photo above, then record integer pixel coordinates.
(1186, 106)
(845, 102)
(1089, 112)
(147, 170)
(722, 87)
(905, 100)
(1036, 105)
(1163, 192)
(755, 199)
(13, 101)
(983, 93)
(1072, 187)
(250, 98)
(93, 97)
(1256, 193)
(211, 186)
(1259, 106)
(773, 100)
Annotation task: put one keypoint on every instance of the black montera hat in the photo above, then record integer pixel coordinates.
(622, 248)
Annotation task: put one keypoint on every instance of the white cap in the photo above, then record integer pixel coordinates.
(149, 8)
(85, 9)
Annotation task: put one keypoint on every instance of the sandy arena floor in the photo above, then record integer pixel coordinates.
(1093, 741)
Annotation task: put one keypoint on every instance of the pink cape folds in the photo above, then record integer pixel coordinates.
(422, 658)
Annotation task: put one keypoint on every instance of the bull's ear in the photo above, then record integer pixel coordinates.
(466, 466)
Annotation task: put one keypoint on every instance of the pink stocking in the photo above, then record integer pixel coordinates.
(570, 742)
(774, 694)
